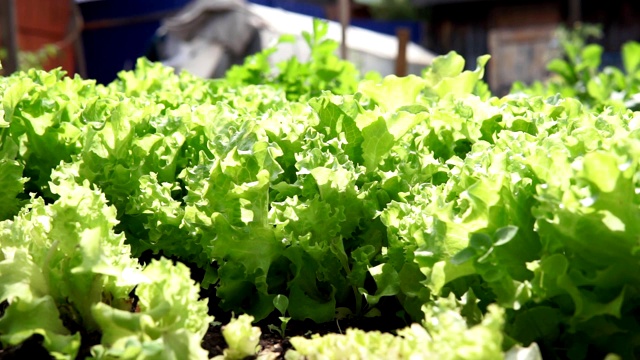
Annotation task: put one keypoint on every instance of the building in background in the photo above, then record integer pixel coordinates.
(43, 24)
(518, 34)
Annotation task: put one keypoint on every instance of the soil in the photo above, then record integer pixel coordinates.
(269, 342)
(29, 349)
(214, 342)
(272, 342)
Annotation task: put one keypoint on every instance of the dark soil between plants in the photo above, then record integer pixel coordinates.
(271, 341)
(213, 341)
(215, 344)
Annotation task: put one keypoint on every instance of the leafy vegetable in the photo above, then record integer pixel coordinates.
(579, 73)
(241, 337)
(315, 193)
(66, 274)
(445, 335)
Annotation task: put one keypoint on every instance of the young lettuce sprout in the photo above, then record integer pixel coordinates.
(281, 303)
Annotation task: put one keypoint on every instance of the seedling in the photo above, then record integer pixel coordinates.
(281, 303)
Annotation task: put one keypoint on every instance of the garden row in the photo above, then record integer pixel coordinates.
(309, 192)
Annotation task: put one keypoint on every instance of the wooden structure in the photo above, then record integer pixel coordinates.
(519, 34)
(520, 40)
(47, 22)
(9, 35)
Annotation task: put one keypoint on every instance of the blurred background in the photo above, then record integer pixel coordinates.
(99, 38)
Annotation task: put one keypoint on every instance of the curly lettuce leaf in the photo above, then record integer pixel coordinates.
(242, 339)
(170, 323)
(445, 335)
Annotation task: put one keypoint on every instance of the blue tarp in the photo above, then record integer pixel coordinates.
(109, 50)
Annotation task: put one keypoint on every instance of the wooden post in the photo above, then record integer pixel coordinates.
(575, 11)
(9, 35)
(403, 35)
(344, 13)
(76, 25)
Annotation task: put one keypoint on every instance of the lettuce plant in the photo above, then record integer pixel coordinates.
(66, 275)
(509, 221)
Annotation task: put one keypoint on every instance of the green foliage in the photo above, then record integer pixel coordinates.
(497, 223)
(301, 80)
(169, 322)
(242, 339)
(33, 59)
(444, 335)
(281, 303)
(579, 74)
(66, 274)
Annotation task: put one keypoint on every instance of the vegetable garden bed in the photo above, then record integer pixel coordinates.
(139, 218)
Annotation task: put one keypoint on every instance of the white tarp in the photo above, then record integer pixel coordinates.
(369, 50)
(206, 37)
